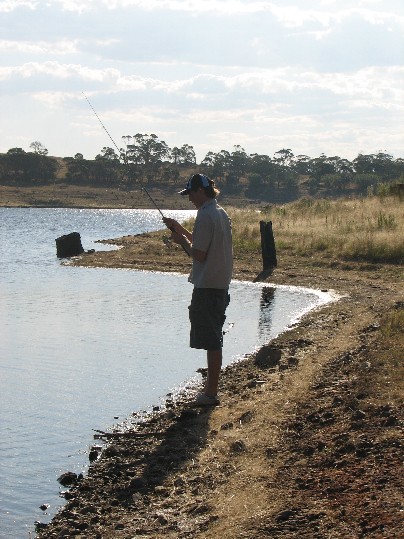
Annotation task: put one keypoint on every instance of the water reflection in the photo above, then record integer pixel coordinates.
(266, 311)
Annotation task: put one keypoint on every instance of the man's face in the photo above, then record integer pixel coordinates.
(197, 197)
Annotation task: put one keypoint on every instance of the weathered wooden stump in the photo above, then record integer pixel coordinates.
(69, 245)
(267, 246)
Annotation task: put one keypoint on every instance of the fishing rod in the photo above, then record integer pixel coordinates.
(103, 126)
(165, 239)
(149, 195)
(121, 153)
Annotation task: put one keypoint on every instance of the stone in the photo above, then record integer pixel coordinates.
(68, 479)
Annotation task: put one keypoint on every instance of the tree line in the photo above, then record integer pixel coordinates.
(147, 159)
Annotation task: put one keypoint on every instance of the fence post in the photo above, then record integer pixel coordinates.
(267, 246)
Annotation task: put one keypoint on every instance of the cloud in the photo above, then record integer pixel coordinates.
(56, 70)
(40, 47)
(259, 73)
(266, 34)
(8, 6)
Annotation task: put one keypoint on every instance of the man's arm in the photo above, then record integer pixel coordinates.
(183, 237)
(182, 240)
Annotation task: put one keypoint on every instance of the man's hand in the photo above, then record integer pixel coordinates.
(172, 224)
(178, 229)
(177, 238)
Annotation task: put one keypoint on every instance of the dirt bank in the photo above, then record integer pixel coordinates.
(306, 442)
(65, 195)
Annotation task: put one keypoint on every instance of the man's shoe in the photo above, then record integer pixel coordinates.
(206, 400)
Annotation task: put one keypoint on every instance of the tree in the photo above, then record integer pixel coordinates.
(176, 155)
(256, 185)
(364, 164)
(366, 182)
(108, 154)
(169, 173)
(237, 167)
(184, 156)
(399, 166)
(218, 164)
(284, 174)
(381, 164)
(15, 151)
(319, 167)
(38, 148)
(107, 167)
(384, 166)
(208, 162)
(78, 169)
(261, 177)
(20, 166)
(284, 157)
(263, 165)
(260, 164)
(147, 151)
(340, 174)
(222, 164)
(13, 165)
(301, 164)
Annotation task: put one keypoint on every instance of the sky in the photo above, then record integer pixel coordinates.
(311, 76)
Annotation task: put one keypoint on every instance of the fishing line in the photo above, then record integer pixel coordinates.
(121, 154)
(103, 126)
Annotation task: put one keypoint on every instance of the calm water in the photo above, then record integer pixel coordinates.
(82, 349)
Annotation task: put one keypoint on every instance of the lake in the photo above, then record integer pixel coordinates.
(84, 348)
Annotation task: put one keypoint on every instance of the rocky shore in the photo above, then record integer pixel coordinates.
(305, 444)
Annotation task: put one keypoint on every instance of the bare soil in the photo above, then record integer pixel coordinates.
(305, 444)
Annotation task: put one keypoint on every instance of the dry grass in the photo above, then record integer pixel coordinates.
(389, 360)
(368, 229)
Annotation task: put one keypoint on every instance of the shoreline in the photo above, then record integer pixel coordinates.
(243, 469)
(63, 195)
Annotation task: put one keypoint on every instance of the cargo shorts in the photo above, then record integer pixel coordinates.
(207, 316)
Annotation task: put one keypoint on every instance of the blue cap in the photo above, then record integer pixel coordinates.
(196, 181)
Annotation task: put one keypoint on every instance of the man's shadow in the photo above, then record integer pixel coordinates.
(159, 447)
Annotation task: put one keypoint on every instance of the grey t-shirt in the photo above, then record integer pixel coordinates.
(212, 234)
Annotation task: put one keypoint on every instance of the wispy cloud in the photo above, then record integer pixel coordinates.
(53, 69)
(40, 47)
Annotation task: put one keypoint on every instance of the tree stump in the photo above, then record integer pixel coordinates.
(267, 246)
(69, 245)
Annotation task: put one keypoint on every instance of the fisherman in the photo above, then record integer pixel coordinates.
(210, 246)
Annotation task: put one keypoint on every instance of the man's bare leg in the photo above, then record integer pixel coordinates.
(214, 358)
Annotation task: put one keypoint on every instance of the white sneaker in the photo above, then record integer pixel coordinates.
(206, 400)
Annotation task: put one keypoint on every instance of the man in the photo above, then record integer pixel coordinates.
(210, 246)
